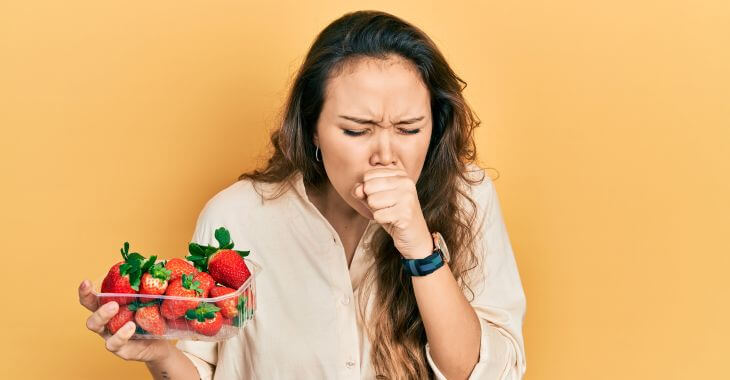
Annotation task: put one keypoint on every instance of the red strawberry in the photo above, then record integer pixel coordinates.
(155, 281)
(206, 282)
(178, 267)
(114, 282)
(229, 268)
(179, 323)
(124, 276)
(229, 306)
(182, 287)
(149, 319)
(122, 316)
(251, 301)
(206, 319)
(226, 265)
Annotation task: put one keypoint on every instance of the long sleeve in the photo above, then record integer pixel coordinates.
(499, 300)
(204, 355)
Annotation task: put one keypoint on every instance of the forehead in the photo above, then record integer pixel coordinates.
(377, 86)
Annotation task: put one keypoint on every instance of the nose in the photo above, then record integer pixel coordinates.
(383, 152)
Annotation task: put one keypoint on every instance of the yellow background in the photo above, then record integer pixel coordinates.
(609, 124)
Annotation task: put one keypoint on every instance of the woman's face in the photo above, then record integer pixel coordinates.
(375, 114)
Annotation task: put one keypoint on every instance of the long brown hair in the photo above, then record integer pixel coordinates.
(395, 327)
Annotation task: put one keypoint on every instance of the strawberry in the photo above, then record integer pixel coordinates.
(229, 306)
(182, 287)
(178, 267)
(206, 282)
(122, 316)
(227, 266)
(179, 323)
(251, 302)
(206, 319)
(115, 282)
(148, 317)
(124, 276)
(155, 281)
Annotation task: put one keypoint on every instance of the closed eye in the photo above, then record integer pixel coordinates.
(350, 132)
(353, 133)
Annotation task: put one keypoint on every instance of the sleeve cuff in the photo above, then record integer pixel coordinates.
(496, 356)
(205, 369)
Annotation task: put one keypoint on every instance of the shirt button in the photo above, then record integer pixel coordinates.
(345, 300)
(350, 364)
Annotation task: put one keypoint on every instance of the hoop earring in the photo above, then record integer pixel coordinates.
(317, 152)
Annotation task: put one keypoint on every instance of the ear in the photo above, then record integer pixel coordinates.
(315, 139)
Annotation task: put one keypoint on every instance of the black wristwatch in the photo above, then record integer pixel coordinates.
(428, 264)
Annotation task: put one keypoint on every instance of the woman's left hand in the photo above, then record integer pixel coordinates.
(392, 198)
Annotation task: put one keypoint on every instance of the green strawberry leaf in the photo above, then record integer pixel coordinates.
(190, 314)
(160, 272)
(136, 305)
(134, 279)
(227, 246)
(202, 312)
(223, 236)
(200, 262)
(125, 250)
(188, 283)
(196, 250)
(243, 253)
(148, 264)
(135, 257)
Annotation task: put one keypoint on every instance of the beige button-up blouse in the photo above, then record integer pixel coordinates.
(306, 325)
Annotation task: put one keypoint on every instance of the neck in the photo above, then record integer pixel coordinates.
(331, 205)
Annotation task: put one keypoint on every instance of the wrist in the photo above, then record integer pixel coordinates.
(162, 353)
(423, 250)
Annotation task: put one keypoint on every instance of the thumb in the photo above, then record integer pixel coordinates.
(86, 297)
(358, 191)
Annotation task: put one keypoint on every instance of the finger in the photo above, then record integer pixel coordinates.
(358, 192)
(383, 172)
(382, 199)
(116, 341)
(86, 297)
(378, 184)
(385, 216)
(100, 317)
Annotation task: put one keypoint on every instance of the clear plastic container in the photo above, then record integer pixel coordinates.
(181, 328)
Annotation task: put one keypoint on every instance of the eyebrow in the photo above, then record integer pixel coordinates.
(366, 121)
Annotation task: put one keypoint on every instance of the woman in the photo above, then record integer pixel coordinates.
(374, 157)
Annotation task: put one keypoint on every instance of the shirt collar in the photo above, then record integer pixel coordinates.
(298, 184)
(300, 189)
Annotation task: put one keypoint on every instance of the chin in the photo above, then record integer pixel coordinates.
(361, 209)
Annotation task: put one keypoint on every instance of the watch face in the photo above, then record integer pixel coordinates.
(439, 242)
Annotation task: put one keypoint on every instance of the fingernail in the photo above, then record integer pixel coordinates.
(83, 285)
(129, 326)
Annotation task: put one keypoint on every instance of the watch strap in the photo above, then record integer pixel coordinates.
(424, 266)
